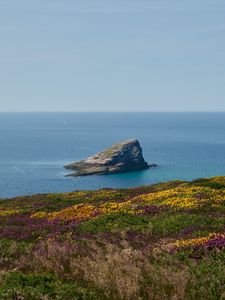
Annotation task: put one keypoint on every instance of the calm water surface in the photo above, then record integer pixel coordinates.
(35, 146)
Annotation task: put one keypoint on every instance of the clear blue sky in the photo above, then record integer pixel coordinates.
(112, 55)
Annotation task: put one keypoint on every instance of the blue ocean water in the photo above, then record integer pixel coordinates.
(35, 146)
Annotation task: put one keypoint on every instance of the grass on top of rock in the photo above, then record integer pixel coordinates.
(164, 241)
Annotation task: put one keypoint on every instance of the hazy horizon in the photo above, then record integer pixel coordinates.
(102, 112)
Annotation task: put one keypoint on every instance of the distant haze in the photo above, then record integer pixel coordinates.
(112, 55)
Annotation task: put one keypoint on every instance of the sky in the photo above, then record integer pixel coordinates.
(112, 55)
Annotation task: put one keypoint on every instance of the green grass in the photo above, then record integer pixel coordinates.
(117, 254)
(16, 285)
(115, 221)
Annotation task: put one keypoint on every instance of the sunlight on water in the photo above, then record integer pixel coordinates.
(35, 147)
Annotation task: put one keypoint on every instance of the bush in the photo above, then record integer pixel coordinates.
(20, 286)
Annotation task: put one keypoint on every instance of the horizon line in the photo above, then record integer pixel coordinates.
(150, 111)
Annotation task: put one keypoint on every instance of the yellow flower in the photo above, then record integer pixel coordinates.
(186, 197)
(76, 212)
(182, 197)
(4, 213)
(40, 214)
(196, 241)
(191, 242)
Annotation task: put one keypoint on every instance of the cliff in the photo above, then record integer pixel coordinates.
(125, 156)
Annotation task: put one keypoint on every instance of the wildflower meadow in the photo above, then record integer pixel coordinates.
(164, 241)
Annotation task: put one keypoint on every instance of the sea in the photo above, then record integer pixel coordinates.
(34, 147)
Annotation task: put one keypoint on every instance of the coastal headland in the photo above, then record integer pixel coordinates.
(162, 241)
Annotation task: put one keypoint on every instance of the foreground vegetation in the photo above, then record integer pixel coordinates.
(165, 241)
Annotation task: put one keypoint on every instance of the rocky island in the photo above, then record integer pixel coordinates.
(125, 156)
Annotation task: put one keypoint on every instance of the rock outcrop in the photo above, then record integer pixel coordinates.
(125, 156)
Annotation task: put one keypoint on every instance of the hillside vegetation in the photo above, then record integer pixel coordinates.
(164, 241)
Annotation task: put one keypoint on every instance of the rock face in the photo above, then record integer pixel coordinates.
(125, 156)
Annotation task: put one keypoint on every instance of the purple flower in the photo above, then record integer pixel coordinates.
(149, 209)
(22, 227)
(218, 242)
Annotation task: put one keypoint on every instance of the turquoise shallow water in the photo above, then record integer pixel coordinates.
(35, 146)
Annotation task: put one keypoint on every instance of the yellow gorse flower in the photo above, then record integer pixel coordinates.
(196, 241)
(186, 197)
(191, 242)
(4, 212)
(85, 211)
(76, 212)
(183, 197)
(40, 214)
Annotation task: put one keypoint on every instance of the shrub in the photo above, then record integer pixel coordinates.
(19, 286)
